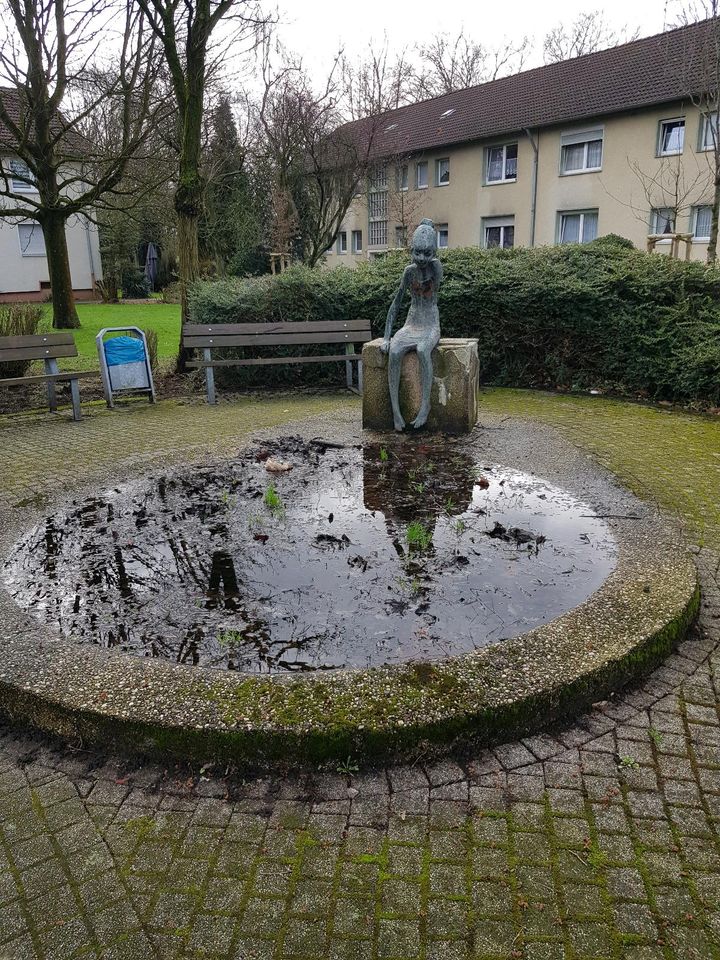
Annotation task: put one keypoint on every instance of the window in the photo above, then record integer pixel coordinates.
(502, 163)
(378, 179)
(19, 175)
(401, 237)
(702, 222)
(378, 233)
(442, 172)
(401, 177)
(357, 241)
(709, 132)
(442, 235)
(421, 175)
(378, 208)
(342, 242)
(32, 242)
(581, 152)
(448, 113)
(672, 137)
(578, 226)
(499, 232)
(662, 220)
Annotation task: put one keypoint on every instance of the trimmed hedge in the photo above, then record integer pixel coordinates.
(575, 317)
(19, 320)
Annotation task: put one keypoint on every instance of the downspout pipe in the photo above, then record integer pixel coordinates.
(533, 184)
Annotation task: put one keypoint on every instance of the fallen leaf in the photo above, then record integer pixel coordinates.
(277, 466)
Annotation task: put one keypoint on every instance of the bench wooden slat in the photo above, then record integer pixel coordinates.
(38, 353)
(43, 377)
(281, 326)
(261, 361)
(36, 340)
(259, 340)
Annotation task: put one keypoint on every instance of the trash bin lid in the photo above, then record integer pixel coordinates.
(120, 350)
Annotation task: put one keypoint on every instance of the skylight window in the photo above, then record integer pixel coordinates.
(448, 112)
(391, 127)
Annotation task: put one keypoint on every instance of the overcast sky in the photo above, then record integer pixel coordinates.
(317, 28)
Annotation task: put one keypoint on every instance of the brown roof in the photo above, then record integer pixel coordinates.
(12, 99)
(653, 70)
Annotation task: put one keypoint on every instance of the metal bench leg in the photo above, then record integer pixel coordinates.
(75, 394)
(209, 378)
(349, 349)
(51, 366)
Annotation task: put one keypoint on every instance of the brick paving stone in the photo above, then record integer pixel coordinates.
(547, 847)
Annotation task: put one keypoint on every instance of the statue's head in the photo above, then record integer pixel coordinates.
(424, 243)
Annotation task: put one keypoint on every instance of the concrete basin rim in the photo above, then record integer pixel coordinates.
(63, 677)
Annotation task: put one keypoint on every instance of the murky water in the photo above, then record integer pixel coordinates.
(354, 558)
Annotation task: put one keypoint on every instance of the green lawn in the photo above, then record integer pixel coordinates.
(162, 317)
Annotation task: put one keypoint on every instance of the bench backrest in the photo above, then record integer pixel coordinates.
(195, 335)
(43, 346)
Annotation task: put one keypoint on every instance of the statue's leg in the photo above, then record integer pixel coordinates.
(424, 352)
(398, 349)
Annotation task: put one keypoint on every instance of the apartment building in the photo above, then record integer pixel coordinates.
(611, 142)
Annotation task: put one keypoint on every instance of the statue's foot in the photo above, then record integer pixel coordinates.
(399, 423)
(421, 419)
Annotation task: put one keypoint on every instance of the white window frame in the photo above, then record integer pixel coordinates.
(438, 182)
(707, 120)
(354, 246)
(418, 165)
(576, 138)
(654, 224)
(19, 186)
(379, 228)
(594, 211)
(401, 237)
(502, 223)
(661, 127)
(342, 247)
(24, 251)
(504, 148)
(402, 177)
(442, 228)
(696, 237)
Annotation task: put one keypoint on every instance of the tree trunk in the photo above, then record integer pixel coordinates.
(188, 203)
(712, 246)
(65, 315)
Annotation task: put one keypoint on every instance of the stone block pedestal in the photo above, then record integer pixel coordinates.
(453, 407)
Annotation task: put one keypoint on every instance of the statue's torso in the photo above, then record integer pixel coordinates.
(423, 314)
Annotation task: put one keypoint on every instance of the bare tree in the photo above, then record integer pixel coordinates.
(375, 84)
(450, 63)
(588, 33)
(699, 64)
(318, 164)
(55, 172)
(672, 187)
(186, 30)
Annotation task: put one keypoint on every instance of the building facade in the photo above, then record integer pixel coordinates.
(612, 142)
(23, 263)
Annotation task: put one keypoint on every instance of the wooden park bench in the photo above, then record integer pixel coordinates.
(209, 338)
(47, 347)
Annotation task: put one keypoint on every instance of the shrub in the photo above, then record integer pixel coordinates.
(171, 293)
(595, 315)
(151, 339)
(18, 320)
(134, 284)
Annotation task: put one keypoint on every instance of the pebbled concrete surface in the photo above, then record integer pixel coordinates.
(595, 840)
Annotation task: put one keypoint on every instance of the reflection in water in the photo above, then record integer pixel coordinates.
(196, 567)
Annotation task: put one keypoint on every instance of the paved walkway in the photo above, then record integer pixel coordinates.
(598, 840)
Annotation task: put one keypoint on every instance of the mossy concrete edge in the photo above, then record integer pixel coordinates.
(268, 745)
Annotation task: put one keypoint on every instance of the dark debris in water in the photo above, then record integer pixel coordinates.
(359, 556)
